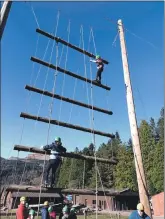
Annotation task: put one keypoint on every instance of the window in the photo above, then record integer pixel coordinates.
(93, 202)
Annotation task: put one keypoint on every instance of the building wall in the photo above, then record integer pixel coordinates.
(114, 203)
(90, 200)
(158, 204)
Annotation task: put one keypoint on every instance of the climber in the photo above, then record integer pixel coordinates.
(139, 213)
(22, 211)
(100, 67)
(54, 159)
(44, 211)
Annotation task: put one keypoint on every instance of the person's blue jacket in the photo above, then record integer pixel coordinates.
(135, 215)
(54, 150)
(45, 213)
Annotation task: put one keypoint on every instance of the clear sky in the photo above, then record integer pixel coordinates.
(143, 19)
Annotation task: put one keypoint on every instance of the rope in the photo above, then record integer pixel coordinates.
(91, 122)
(114, 42)
(55, 76)
(74, 91)
(142, 39)
(35, 56)
(96, 166)
(84, 176)
(70, 173)
(85, 71)
(35, 17)
(20, 184)
(47, 73)
(66, 59)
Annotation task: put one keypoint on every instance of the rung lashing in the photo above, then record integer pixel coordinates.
(68, 72)
(68, 44)
(67, 125)
(67, 154)
(49, 94)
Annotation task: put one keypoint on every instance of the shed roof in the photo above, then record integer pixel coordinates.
(35, 194)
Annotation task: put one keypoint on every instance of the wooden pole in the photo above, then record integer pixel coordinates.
(4, 15)
(49, 94)
(143, 193)
(64, 124)
(68, 44)
(68, 73)
(70, 155)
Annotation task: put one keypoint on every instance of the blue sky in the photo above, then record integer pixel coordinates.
(145, 19)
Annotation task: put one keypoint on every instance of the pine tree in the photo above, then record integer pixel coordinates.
(147, 143)
(124, 172)
(158, 154)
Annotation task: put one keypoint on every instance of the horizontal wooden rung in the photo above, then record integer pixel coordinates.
(69, 73)
(67, 125)
(68, 44)
(49, 94)
(67, 154)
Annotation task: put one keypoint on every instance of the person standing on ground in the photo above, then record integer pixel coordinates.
(52, 212)
(44, 211)
(139, 213)
(22, 211)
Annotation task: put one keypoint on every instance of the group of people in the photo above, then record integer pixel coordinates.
(47, 211)
(24, 211)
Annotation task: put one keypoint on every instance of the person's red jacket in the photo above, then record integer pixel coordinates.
(21, 212)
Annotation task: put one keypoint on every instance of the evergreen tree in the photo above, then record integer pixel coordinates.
(147, 143)
(124, 172)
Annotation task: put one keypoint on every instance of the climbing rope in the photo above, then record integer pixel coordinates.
(85, 73)
(75, 84)
(95, 154)
(33, 12)
(52, 100)
(66, 59)
(91, 119)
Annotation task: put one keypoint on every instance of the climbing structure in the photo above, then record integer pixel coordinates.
(54, 95)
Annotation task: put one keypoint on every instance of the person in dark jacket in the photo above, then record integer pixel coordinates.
(72, 214)
(22, 211)
(100, 68)
(139, 213)
(44, 211)
(54, 160)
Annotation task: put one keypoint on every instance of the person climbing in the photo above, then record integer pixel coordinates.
(44, 211)
(52, 212)
(139, 213)
(54, 160)
(22, 211)
(100, 67)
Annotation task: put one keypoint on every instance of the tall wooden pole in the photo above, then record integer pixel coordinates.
(4, 15)
(133, 125)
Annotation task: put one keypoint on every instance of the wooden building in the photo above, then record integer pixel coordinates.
(115, 200)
